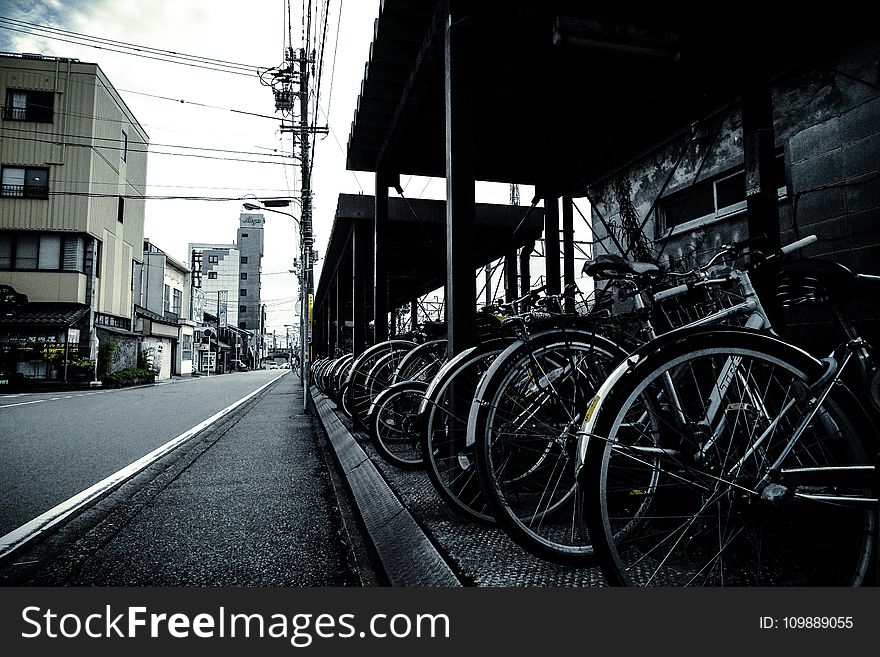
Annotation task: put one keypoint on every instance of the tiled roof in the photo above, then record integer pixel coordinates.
(46, 314)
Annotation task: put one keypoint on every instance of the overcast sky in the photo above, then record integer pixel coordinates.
(253, 33)
(249, 32)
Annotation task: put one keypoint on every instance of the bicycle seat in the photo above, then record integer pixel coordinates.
(813, 280)
(607, 266)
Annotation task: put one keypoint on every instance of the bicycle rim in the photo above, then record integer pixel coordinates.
(526, 446)
(686, 495)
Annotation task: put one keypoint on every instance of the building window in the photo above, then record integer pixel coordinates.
(242, 309)
(710, 200)
(41, 251)
(50, 252)
(27, 251)
(242, 292)
(73, 254)
(212, 259)
(22, 105)
(242, 325)
(124, 148)
(98, 250)
(175, 301)
(167, 299)
(212, 275)
(25, 182)
(244, 234)
(120, 210)
(244, 260)
(6, 244)
(244, 275)
(110, 320)
(186, 347)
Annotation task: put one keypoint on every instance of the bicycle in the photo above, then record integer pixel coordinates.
(530, 404)
(443, 413)
(726, 456)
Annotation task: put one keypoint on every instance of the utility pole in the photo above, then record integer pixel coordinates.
(305, 220)
(295, 72)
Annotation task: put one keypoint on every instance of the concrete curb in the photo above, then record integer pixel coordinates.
(407, 556)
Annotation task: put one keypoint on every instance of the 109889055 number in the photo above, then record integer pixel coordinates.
(817, 622)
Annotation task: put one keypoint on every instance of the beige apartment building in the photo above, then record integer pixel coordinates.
(73, 162)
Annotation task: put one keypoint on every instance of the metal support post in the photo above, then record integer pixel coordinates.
(460, 185)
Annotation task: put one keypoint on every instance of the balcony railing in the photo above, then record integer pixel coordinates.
(35, 114)
(25, 191)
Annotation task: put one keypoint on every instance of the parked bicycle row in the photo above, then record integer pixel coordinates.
(668, 434)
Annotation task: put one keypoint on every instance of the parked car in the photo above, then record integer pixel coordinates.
(240, 366)
(274, 366)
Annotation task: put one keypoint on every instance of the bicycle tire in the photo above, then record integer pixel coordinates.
(358, 377)
(393, 424)
(717, 513)
(449, 462)
(421, 363)
(523, 424)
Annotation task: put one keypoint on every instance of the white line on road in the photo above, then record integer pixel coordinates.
(30, 530)
(36, 401)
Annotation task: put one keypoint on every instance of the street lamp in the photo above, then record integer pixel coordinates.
(304, 286)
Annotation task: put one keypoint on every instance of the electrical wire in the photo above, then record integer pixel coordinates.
(128, 146)
(145, 52)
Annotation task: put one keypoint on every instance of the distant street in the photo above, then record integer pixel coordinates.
(54, 445)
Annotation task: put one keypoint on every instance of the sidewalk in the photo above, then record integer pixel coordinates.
(248, 502)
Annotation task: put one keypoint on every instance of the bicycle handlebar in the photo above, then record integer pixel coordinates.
(736, 247)
(801, 243)
(671, 292)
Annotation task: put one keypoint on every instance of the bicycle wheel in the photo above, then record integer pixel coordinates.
(523, 423)
(421, 363)
(393, 424)
(450, 462)
(733, 476)
(359, 389)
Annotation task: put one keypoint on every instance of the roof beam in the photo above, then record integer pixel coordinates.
(426, 65)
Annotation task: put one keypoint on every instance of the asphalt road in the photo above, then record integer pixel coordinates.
(54, 445)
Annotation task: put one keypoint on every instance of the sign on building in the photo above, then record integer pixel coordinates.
(252, 220)
(222, 307)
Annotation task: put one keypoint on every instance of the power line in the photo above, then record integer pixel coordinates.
(156, 197)
(199, 58)
(122, 143)
(145, 52)
(192, 102)
(333, 68)
(168, 153)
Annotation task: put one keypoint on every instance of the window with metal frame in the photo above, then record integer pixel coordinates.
(717, 198)
(24, 182)
(29, 105)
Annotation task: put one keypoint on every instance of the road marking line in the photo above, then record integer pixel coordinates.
(39, 525)
(36, 401)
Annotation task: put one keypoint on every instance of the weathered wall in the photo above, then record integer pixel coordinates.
(827, 125)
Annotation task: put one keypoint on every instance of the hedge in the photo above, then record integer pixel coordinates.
(130, 376)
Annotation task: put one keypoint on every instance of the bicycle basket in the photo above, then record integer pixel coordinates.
(699, 303)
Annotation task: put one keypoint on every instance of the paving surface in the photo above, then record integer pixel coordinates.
(248, 502)
(270, 496)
